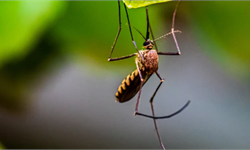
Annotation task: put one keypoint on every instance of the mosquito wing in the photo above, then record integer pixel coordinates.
(130, 86)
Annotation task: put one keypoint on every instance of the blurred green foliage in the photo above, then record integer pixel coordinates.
(35, 35)
(21, 25)
(222, 32)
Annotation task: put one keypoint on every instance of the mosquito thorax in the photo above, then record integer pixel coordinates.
(148, 44)
(150, 62)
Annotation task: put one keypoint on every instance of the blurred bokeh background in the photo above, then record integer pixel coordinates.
(57, 87)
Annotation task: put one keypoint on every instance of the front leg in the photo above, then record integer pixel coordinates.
(123, 57)
(119, 30)
(173, 33)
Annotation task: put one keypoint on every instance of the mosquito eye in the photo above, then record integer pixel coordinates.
(146, 43)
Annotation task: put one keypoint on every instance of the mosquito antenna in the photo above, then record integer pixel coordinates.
(139, 32)
(163, 36)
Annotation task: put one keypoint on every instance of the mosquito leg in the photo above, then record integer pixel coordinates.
(139, 94)
(150, 29)
(123, 57)
(172, 30)
(147, 33)
(119, 30)
(152, 108)
(173, 33)
(153, 113)
(164, 117)
(151, 102)
(131, 33)
(152, 98)
(168, 53)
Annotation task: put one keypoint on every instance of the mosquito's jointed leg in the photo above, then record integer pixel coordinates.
(159, 76)
(172, 30)
(147, 33)
(139, 94)
(149, 26)
(123, 57)
(152, 108)
(153, 113)
(131, 33)
(165, 117)
(151, 102)
(173, 33)
(119, 30)
(168, 53)
(116, 38)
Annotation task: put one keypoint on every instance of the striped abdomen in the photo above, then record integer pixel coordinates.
(130, 86)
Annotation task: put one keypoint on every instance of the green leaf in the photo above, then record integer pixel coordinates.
(137, 4)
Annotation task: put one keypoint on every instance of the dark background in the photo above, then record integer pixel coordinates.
(57, 88)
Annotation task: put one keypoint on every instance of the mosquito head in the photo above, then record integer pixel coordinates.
(148, 44)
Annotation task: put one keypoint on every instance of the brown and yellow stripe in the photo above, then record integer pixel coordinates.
(130, 86)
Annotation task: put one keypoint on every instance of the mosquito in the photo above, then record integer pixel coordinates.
(146, 65)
